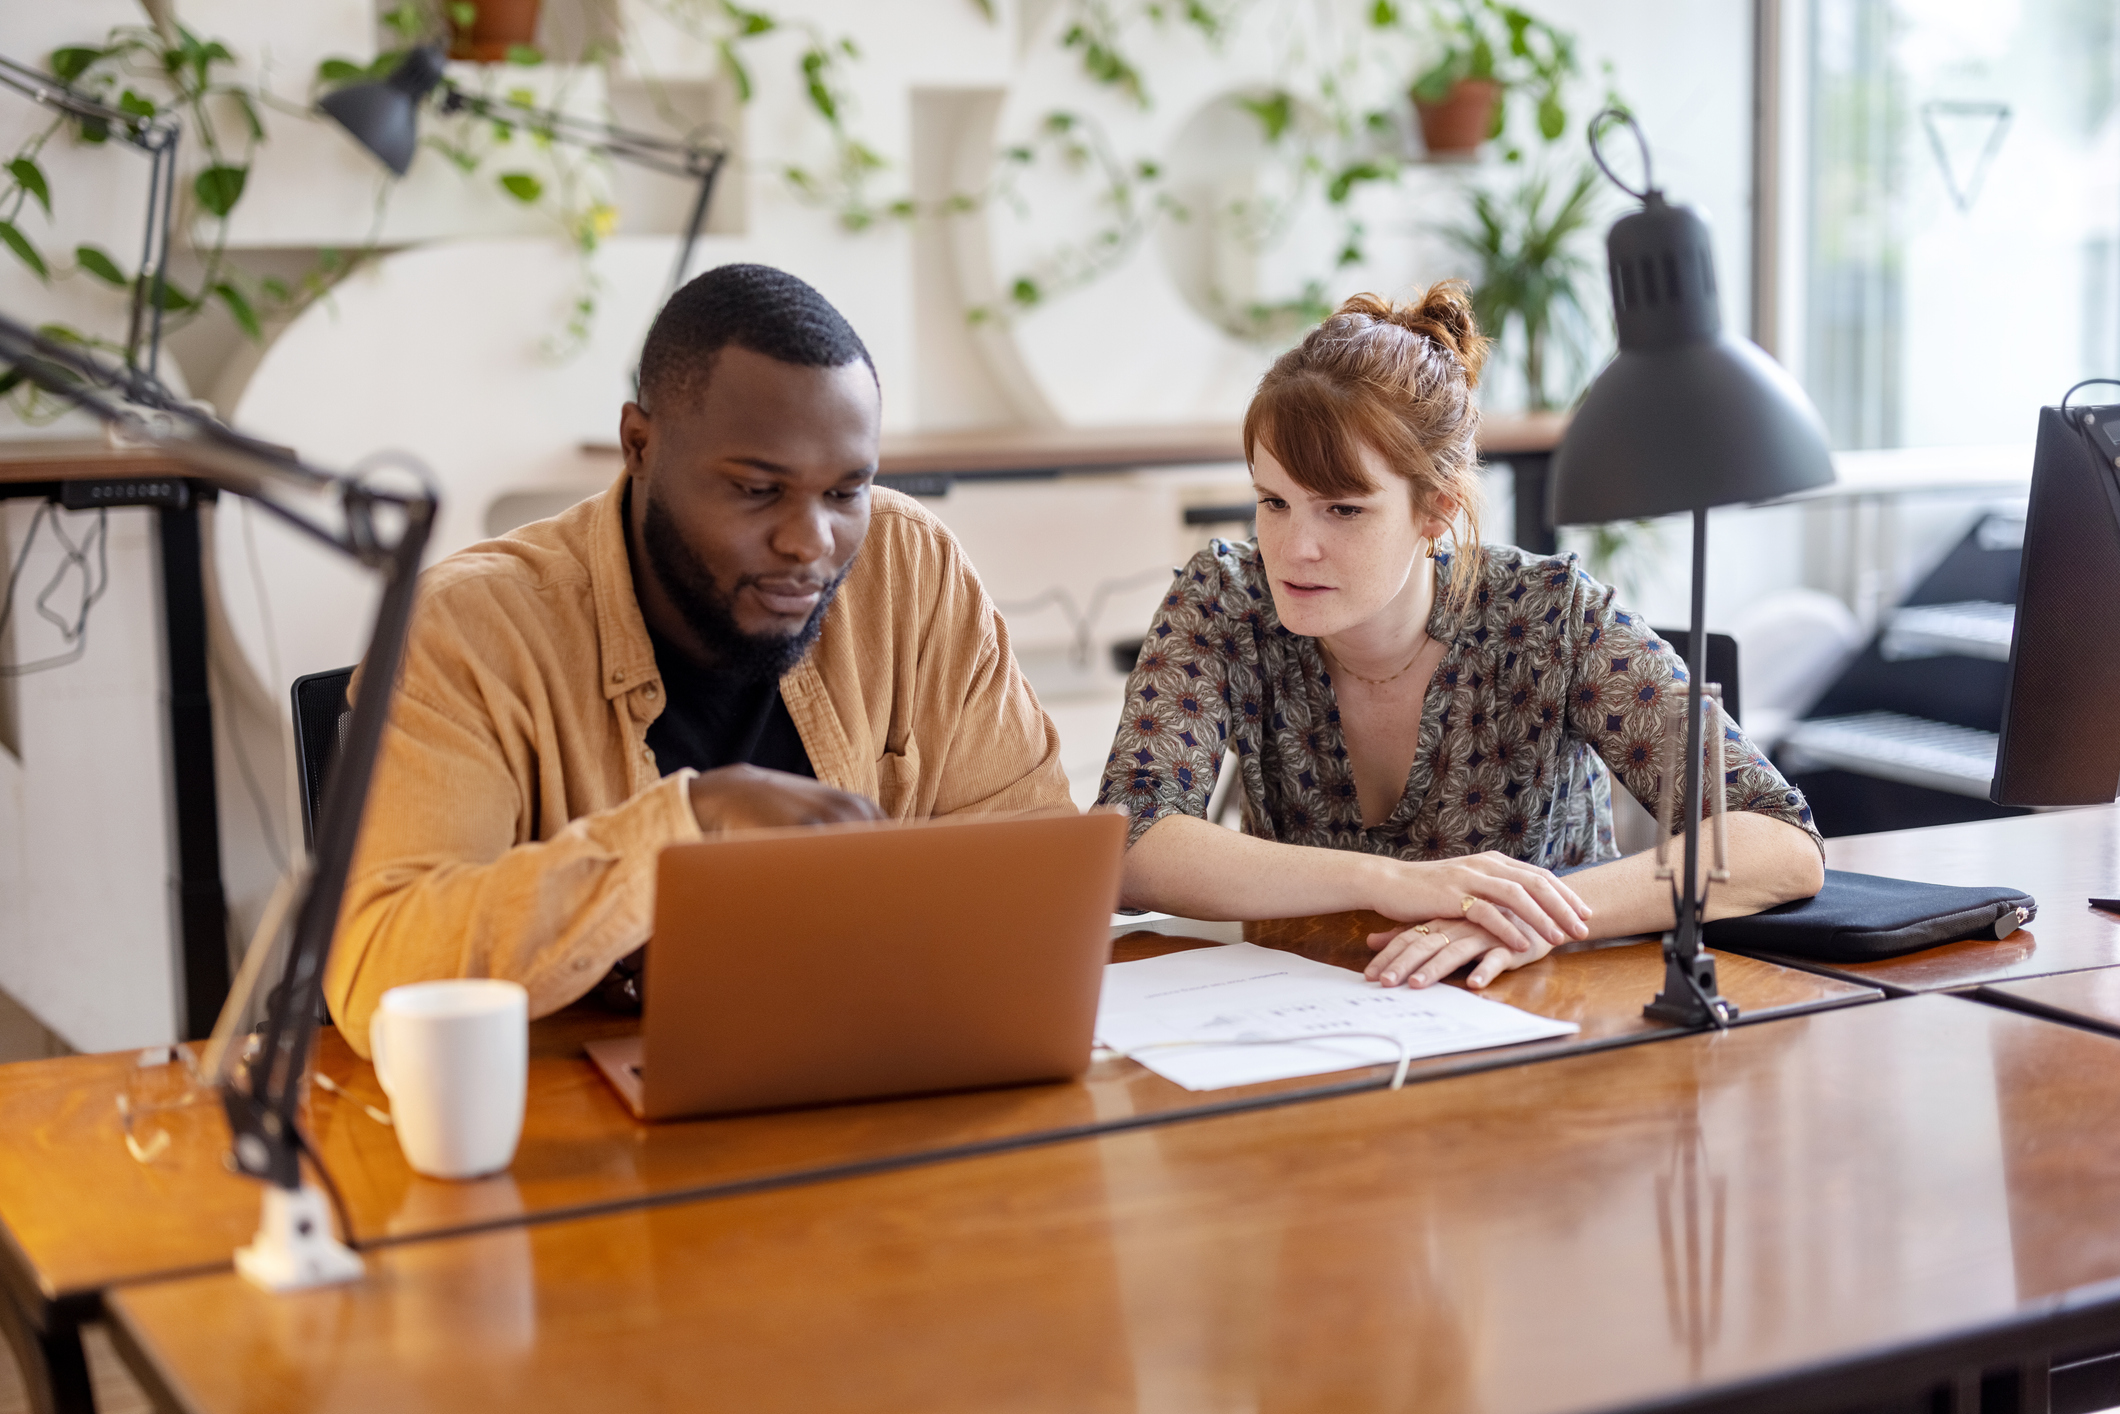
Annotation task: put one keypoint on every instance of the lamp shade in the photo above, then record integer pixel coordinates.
(1686, 416)
(384, 116)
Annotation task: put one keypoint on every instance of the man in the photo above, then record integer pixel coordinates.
(742, 632)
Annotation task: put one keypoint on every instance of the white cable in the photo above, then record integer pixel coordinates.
(1398, 1077)
(1083, 622)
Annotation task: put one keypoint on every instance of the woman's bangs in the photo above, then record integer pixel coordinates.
(1312, 432)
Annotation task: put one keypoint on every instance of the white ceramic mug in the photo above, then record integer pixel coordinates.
(454, 1057)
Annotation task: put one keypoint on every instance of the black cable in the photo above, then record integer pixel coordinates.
(331, 1185)
(1595, 131)
(2085, 384)
(94, 584)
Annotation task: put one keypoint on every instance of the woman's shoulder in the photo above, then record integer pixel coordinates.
(1514, 583)
(1227, 573)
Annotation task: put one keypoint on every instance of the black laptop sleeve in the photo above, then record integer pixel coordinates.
(1861, 917)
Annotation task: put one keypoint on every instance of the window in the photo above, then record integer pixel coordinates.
(1963, 246)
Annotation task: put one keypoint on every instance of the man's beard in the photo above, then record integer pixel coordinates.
(711, 614)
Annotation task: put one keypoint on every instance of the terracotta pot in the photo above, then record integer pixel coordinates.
(1458, 125)
(500, 25)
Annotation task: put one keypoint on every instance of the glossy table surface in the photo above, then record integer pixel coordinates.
(80, 1214)
(1773, 1203)
(2061, 858)
(2082, 998)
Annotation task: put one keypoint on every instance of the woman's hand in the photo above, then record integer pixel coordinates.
(1521, 906)
(1426, 953)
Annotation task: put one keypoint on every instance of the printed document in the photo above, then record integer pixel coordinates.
(1241, 993)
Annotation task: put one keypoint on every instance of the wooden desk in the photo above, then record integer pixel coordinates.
(80, 1215)
(1813, 1214)
(2061, 858)
(2079, 998)
(54, 459)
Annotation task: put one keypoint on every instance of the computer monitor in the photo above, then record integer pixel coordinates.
(2061, 710)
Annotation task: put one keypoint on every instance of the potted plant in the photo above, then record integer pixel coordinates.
(491, 31)
(1527, 273)
(1489, 50)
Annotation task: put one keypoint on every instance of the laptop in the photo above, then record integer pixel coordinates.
(851, 962)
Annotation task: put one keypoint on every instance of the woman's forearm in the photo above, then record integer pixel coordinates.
(1195, 869)
(1771, 862)
(1187, 866)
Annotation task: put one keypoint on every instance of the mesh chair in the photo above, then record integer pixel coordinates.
(321, 715)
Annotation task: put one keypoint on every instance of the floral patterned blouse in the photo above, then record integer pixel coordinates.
(1545, 690)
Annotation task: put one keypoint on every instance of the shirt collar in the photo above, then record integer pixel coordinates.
(621, 631)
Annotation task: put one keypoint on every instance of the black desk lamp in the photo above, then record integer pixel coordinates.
(1685, 417)
(384, 117)
(157, 137)
(385, 530)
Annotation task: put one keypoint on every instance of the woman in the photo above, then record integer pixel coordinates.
(1420, 733)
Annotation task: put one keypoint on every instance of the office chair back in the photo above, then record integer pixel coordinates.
(1722, 664)
(321, 715)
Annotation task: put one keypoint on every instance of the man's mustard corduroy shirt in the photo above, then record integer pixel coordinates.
(517, 814)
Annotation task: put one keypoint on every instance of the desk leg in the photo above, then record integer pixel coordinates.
(54, 1367)
(202, 906)
(1528, 473)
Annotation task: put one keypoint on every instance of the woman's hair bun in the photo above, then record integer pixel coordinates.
(1443, 313)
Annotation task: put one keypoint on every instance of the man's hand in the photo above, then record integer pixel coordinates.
(753, 798)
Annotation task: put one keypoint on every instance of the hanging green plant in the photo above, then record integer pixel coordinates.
(150, 71)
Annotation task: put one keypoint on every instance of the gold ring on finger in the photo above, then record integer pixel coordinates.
(1465, 905)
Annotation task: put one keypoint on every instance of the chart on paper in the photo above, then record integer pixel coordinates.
(1222, 1003)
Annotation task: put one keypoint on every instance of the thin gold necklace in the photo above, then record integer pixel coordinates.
(1386, 682)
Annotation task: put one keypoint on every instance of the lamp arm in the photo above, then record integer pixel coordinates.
(667, 155)
(157, 137)
(386, 530)
(263, 1106)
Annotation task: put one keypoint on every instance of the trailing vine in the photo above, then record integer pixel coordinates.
(148, 71)
(1333, 124)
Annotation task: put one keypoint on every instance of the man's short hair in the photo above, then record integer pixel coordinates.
(754, 307)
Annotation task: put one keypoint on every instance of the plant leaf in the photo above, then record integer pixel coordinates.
(239, 309)
(220, 188)
(1552, 118)
(814, 64)
(133, 103)
(340, 71)
(72, 62)
(174, 300)
(463, 14)
(738, 74)
(249, 110)
(31, 177)
(15, 241)
(522, 186)
(527, 55)
(99, 264)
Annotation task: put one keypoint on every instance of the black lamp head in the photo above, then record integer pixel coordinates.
(384, 115)
(1686, 416)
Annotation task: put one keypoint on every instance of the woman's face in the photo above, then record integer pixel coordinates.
(1336, 562)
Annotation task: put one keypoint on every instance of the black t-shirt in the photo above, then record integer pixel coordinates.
(719, 719)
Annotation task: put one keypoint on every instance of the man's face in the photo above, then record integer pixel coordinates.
(750, 501)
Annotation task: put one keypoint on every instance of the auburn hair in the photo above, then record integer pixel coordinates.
(1395, 377)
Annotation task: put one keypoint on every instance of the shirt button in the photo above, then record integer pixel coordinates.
(648, 692)
(618, 675)
(647, 753)
(581, 964)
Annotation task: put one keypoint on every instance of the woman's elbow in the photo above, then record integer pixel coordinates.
(1799, 869)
